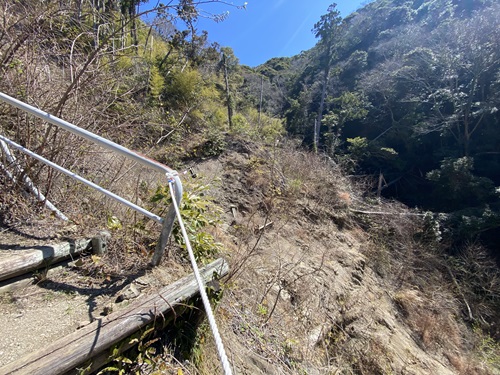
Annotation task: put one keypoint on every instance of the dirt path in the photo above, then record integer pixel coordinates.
(33, 316)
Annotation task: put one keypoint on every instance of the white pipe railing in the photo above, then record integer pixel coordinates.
(82, 180)
(175, 191)
(106, 143)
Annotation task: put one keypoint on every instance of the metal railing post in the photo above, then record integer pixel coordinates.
(168, 224)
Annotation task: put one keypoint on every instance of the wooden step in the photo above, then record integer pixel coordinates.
(20, 261)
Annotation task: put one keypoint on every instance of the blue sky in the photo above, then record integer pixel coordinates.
(269, 28)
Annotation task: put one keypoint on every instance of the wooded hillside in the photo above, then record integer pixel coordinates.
(407, 91)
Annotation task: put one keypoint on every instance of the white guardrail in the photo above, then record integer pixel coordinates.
(167, 222)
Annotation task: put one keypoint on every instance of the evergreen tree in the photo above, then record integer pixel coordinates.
(327, 29)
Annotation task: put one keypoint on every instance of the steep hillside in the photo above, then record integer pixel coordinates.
(323, 282)
(322, 278)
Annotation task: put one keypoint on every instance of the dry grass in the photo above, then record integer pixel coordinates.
(435, 292)
(306, 175)
(134, 235)
(467, 365)
(434, 320)
(477, 281)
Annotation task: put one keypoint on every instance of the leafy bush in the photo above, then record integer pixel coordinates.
(183, 89)
(198, 212)
(214, 145)
(261, 127)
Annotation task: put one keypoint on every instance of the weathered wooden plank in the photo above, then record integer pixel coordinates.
(19, 262)
(27, 279)
(69, 352)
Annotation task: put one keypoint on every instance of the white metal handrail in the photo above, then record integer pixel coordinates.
(82, 180)
(106, 143)
(86, 134)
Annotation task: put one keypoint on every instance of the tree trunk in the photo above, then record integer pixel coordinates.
(316, 136)
(228, 93)
(133, 27)
(322, 104)
(261, 96)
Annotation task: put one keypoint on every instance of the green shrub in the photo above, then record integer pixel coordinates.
(198, 213)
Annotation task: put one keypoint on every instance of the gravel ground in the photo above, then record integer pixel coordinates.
(33, 316)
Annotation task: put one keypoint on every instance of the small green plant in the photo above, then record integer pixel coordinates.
(198, 212)
(294, 187)
(262, 310)
(487, 348)
(132, 362)
(113, 223)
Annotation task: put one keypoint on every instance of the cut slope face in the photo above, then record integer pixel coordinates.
(303, 296)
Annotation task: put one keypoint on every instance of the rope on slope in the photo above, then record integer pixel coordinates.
(206, 303)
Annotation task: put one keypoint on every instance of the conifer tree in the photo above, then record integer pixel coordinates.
(327, 29)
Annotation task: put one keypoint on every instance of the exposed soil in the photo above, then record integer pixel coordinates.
(303, 290)
(35, 316)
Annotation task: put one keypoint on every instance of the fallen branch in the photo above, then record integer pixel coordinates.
(261, 228)
(469, 311)
(384, 213)
(27, 181)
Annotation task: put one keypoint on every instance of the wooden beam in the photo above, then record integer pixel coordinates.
(385, 213)
(81, 346)
(20, 261)
(27, 279)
